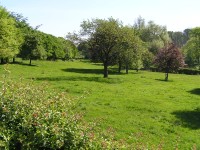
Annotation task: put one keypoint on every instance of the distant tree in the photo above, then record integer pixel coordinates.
(83, 48)
(9, 36)
(178, 38)
(192, 48)
(169, 59)
(53, 46)
(191, 53)
(69, 48)
(74, 38)
(32, 47)
(48, 44)
(147, 59)
(139, 25)
(130, 49)
(186, 32)
(103, 37)
(155, 36)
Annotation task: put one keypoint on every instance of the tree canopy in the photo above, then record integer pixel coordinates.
(192, 48)
(169, 59)
(10, 37)
(18, 38)
(111, 43)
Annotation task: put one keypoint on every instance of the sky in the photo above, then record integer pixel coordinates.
(58, 17)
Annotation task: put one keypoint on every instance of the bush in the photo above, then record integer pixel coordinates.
(180, 71)
(189, 71)
(32, 118)
(154, 69)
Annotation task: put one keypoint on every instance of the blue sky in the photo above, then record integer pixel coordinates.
(58, 17)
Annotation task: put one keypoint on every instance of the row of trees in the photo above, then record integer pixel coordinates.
(191, 49)
(138, 46)
(18, 38)
(110, 42)
(101, 40)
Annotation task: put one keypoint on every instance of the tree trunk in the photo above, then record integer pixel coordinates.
(105, 70)
(2, 61)
(199, 63)
(14, 60)
(166, 74)
(6, 60)
(126, 68)
(18, 145)
(30, 62)
(120, 67)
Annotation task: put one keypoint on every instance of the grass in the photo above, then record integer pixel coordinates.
(140, 107)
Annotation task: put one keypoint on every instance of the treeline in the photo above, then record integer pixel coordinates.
(102, 40)
(19, 39)
(137, 46)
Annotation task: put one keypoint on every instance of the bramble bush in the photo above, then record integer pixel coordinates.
(32, 118)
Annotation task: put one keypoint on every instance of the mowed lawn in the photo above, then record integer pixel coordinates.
(140, 107)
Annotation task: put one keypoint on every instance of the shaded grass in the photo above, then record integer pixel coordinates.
(72, 78)
(195, 91)
(190, 119)
(140, 107)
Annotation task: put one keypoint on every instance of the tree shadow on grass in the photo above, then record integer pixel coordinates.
(163, 80)
(195, 91)
(97, 64)
(89, 71)
(75, 78)
(20, 63)
(24, 64)
(189, 119)
(84, 71)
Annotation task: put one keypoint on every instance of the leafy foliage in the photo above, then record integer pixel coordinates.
(192, 48)
(130, 49)
(103, 38)
(189, 71)
(154, 35)
(32, 47)
(10, 37)
(169, 59)
(179, 38)
(18, 38)
(33, 118)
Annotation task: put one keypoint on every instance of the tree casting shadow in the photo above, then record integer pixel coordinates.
(89, 71)
(84, 71)
(189, 119)
(19, 63)
(163, 80)
(195, 91)
(75, 78)
(24, 64)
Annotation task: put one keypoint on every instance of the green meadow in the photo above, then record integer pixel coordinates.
(140, 107)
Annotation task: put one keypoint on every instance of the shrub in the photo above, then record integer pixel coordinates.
(32, 118)
(154, 69)
(189, 71)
